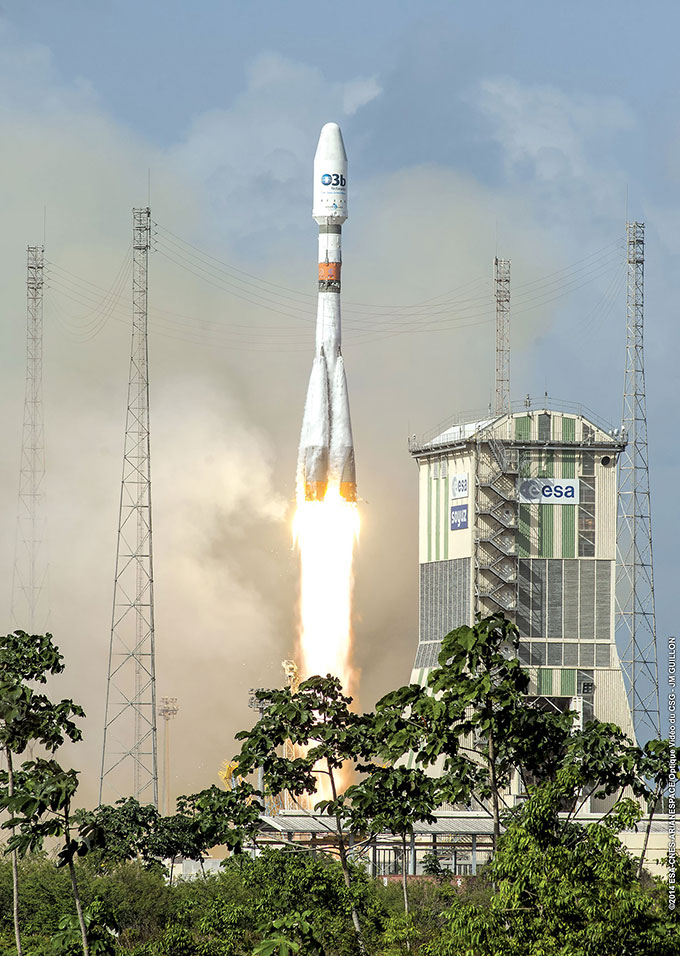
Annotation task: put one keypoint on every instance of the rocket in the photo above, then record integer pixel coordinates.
(326, 453)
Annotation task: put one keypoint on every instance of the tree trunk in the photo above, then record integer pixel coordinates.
(172, 867)
(15, 857)
(404, 884)
(79, 908)
(347, 876)
(494, 791)
(646, 840)
(74, 887)
(403, 873)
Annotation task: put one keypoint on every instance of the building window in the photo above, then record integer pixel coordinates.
(537, 653)
(588, 463)
(586, 518)
(585, 682)
(570, 655)
(587, 655)
(602, 655)
(554, 655)
(544, 427)
(524, 653)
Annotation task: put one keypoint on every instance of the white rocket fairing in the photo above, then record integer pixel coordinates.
(326, 451)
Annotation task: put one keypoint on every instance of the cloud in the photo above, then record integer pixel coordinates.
(225, 420)
(360, 92)
(252, 157)
(545, 132)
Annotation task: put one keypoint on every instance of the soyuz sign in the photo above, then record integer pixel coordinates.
(548, 491)
(459, 517)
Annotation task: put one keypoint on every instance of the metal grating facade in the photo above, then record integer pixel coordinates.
(565, 600)
(444, 604)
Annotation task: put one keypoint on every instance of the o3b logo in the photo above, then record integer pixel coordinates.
(333, 179)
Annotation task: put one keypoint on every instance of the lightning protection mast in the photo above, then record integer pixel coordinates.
(129, 754)
(636, 619)
(29, 609)
(501, 276)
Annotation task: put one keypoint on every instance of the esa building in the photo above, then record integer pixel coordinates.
(518, 515)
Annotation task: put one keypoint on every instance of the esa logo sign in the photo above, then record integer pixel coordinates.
(333, 179)
(548, 491)
(459, 486)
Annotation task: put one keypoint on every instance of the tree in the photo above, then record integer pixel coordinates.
(562, 889)
(473, 716)
(41, 808)
(316, 717)
(225, 817)
(292, 933)
(652, 779)
(125, 830)
(29, 717)
(130, 830)
(388, 798)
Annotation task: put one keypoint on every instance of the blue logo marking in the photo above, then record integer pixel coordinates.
(326, 179)
(459, 517)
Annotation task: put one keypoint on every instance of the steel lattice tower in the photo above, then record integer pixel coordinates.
(168, 710)
(29, 581)
(501, 275)
(636, 619)
(129, 754)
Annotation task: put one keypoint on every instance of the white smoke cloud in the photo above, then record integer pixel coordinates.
(226, 422)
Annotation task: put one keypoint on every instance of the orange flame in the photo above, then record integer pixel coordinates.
(326, 532)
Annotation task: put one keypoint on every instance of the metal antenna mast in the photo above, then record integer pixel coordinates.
(129, 753)
(501, 275)
(29, 581)
(169, 708)
(636, 619)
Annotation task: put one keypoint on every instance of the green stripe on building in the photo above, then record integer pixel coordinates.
(546, 524)
(546, 515)
(568, 431)
(523, 427)
(545, 680)
(429, 511)
(523, 530)
(568, 531)
(438, 518)
(446, 516)
(569, 464)
(568, 682)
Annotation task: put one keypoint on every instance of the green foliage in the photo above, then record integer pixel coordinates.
(25, 715)
(563, 889)
(124, 830)
(215, 816)
(292, 933)
(101, 932)
(554, 888)
(316, 717)
(40, 808)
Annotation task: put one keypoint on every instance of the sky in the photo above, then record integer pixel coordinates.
(530, 131)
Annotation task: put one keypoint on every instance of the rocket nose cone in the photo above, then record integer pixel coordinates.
(331, 145)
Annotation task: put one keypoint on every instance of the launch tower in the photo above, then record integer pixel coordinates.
(518, 515)
(129, 753)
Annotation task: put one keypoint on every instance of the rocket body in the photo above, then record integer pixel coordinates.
(326, 454)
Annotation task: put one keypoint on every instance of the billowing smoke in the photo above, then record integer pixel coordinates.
(229, 358)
